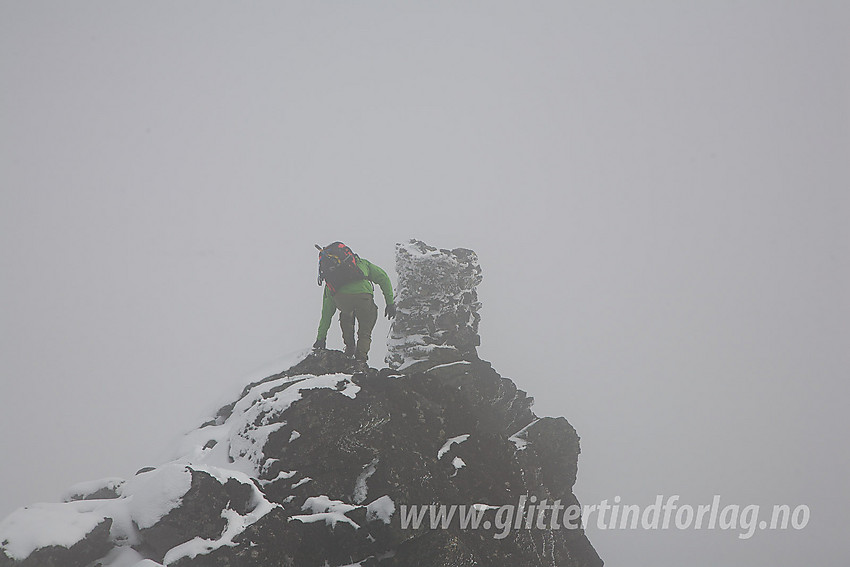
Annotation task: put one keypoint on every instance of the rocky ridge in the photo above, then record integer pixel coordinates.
(318, 465)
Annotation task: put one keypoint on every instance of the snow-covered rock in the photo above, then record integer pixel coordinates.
(52, 532)
(314, 465)
(437, 305)
(95, 489)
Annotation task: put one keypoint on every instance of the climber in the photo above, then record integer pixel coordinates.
(348, 280)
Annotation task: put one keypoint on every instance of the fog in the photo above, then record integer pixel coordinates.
(657, 192)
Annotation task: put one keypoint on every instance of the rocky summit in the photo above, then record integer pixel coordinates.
(435, 461)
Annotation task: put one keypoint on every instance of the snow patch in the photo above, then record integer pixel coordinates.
(64, 524)
(238, 442)
(448, 364)
(520, 437)
(327, 510)
(236, 523)
(448, 444)
(360, 487)
(155, 493)
(282, 475)
(126, 556)
(304, 480)
(381, 509)
(144, 501)
(267, 464)
(43, 525)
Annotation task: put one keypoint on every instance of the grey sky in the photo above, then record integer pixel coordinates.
(166, 167)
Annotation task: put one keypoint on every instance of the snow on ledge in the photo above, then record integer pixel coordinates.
(43, 525)
(381, 508)
(331, 512)
(448, 444)
(327, 510)
(520, 437)
(155, 493)
(236, 523)
(238, 442)
(361, 488)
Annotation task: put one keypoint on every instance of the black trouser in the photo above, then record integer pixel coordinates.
(359, 306)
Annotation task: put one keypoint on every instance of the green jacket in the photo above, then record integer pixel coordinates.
(373, 274)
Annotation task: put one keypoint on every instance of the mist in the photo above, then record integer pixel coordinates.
(657, 195)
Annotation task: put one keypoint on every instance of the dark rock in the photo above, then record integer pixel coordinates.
(436, 548)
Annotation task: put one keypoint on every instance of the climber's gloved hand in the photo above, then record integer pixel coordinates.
(390, 310)
(320, 344)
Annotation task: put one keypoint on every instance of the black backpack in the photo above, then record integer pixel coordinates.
(338, 266)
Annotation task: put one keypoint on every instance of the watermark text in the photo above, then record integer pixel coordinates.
(665, 513)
